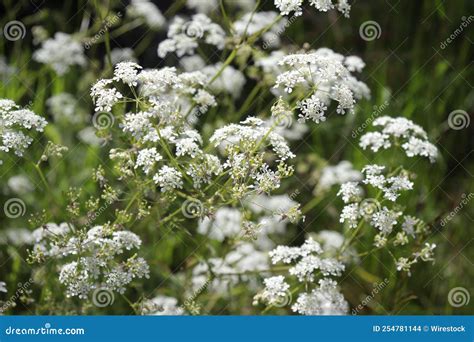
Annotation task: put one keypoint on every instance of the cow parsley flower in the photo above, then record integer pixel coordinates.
(337, 174)
(147, 158)
(15, 124)
(95, 257)
(399, 132)
(350, 214)
(161, 306)
(323, 300)
(61, 53)
(350, 192)
(254, 22)
(275, 291)
(236, 267)
(148, 11)
(385, 220)
(201, 6)
(127, 72)
(322, 73)
(288, 6)
(105, 97)
(64, 107)
(226, 223)
(168, 178)
(309, 262)
(184, 36)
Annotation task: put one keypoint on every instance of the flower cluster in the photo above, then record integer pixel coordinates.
(95, 255)
(266, 22)
(318, 77)
(15, 122)
(220, 274)
(245, 144)
(336, 174)
(288, 6)
(161, 306)
(309, 265)
(148, 11)
(382, 212)
(184, 36)
(399, 132)
(61, 53)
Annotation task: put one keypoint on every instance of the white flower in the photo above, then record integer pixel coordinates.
(127, 72)
(63, 106)
(202, 6)
(118, 55)
(350, 192)
(104, 97)
(227, 222)
(417, 147)
(275, 290)
(324, 300)
(168, 178)
(337, 174)
(323, 73)
(385, 220)
(148, 11)
(409, 224)
(350, 214)
(426, 254)
(231, 81)
(3, 287)
(287, 6)
(161, 306)
(412, 137)
(354, 63)
(312, 108)
(96, 257)
(14, 124)
(147, 158)
(61, 52)
(184, 36)
(404, 264)
(20, 184)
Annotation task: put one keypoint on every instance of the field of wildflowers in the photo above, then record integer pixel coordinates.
(241, 157)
